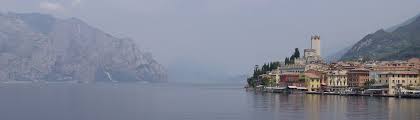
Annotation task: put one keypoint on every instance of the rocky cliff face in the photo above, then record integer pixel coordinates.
(402, 42)
(41, 47)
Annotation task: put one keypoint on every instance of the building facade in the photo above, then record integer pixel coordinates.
(312, 82)
(337, 80)
(397, 81)
(291, 79)
(358, 77)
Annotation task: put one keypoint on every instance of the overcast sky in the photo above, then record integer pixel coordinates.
(229, 35)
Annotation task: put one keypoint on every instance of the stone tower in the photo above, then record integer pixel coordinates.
(316, 44)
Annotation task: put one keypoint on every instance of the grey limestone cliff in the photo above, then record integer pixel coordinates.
(40, 47)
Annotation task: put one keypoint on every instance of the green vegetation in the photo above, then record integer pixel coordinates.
(292, 58)
(268, 81)
(253, 80)
(368, 84)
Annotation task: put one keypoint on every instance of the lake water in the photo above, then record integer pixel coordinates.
(188, 102)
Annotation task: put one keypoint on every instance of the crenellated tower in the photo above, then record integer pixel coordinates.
(316, 44)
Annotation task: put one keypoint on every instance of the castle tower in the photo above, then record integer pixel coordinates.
(316, 44)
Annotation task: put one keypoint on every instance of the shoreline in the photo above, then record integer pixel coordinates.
(265, 90)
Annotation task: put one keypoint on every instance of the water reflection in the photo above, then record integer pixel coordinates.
(333, 107)
(182, 102)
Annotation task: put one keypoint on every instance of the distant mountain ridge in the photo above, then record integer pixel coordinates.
(36, 46)
(337, 55)
(399, 43)
(393, 28)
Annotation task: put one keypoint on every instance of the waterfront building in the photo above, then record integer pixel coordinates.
(357, 77)
(391, 66)
(337, 80)
(312, 82)
(275, 75)
(291, 79)
(397, 81)
(322, 78)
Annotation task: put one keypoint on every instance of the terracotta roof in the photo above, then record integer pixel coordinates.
(399, 72)
(311, 75)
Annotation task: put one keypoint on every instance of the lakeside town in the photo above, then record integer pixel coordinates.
(310, 74)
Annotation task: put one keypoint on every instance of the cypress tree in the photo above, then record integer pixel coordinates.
(297, 53)
(292, 59)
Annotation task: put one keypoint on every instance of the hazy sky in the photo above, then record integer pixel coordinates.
(229, 35)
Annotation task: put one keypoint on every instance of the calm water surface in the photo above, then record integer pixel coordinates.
(188, 102)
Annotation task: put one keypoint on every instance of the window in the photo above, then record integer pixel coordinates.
(403, 81)
(393, 81)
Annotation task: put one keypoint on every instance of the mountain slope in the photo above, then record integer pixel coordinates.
(401, 43)
(337, 55)
(40, 47)
(393, 28)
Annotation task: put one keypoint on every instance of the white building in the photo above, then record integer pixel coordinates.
(337, 80)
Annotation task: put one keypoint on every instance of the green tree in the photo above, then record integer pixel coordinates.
(264, 68)
(268, 81)
(251, 82)
(286, 61)
(274, 65)
(368, 84)
(292, 60)
(256, 72)
(297, 53)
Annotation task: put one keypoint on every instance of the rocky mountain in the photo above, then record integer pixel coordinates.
(40, 47)
(400, 42)
(334, 57)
